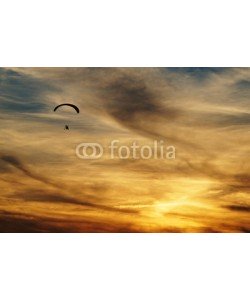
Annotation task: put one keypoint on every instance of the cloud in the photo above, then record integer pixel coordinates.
(22, 93)
(238, 208)
(198, 73)
(60, 198)
(15, 162)
(21, 222)
(55, 197)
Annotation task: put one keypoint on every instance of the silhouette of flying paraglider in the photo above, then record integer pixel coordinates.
(71, 105)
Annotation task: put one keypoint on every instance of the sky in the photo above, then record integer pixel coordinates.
(202, 113)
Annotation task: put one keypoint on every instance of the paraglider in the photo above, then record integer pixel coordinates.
(68, 104)
(71, 105)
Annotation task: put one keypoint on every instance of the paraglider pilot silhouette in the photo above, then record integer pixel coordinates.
(67, 104)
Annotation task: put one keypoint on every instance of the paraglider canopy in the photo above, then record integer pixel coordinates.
(68, 104)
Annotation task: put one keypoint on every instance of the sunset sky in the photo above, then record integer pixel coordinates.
(203, 112)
